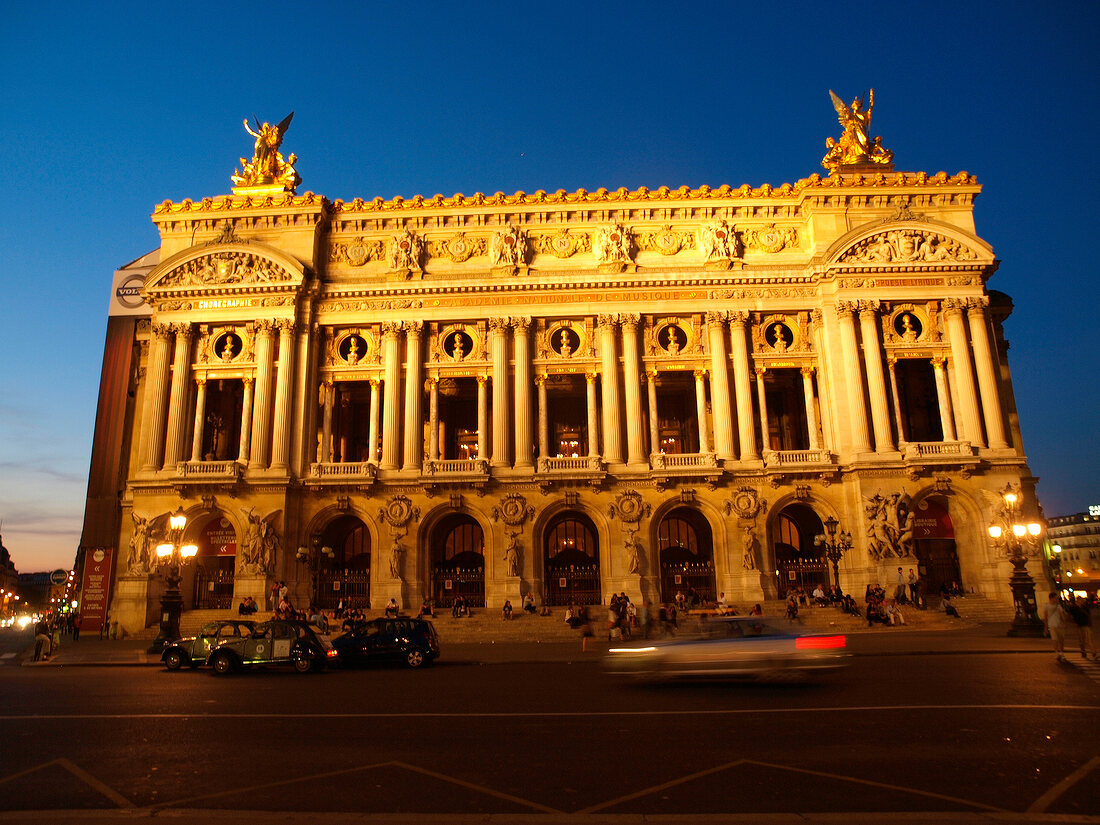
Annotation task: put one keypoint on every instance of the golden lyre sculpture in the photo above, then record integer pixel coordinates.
(268, 169)
(855, 145)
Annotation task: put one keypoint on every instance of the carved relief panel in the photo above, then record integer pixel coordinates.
(230, 346)
(458, 343)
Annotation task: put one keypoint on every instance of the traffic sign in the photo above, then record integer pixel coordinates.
(59, 576)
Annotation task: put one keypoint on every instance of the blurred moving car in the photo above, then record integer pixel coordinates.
(278, 642)
(193, 651)
(731, 647)
(403, 639)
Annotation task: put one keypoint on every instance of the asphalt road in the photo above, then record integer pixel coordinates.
(950, 737)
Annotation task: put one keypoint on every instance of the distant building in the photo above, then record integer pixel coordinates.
(569, 394)
(1079, 537)
(9, 580)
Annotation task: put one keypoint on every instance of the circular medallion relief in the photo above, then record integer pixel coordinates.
(228, 346)
(353, 349)
(672, 339)
(779, 336)
(565, 342)
(458, 345)
(908, 326)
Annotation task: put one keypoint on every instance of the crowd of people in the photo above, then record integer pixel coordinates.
(48, 631)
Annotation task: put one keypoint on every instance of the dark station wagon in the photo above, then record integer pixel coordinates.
(401, 639)
(278, 642)
(194, 650)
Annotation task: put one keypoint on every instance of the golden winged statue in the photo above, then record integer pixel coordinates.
(855, 145)
(268, 169)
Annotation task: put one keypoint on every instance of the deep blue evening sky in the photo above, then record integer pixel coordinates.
(111, 108)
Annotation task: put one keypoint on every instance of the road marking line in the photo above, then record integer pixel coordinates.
(661, 787)
(88, 779)
(480, 789)
(536, 714)
(21, 774)
(1041, 804)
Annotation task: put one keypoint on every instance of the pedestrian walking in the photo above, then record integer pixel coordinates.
(1054, 622)
(77, 619)
(1081, 613)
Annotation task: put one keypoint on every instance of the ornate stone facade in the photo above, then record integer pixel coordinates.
(573, 394)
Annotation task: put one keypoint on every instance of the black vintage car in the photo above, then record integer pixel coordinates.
(400, 639)
(194, 650)
(278, 642)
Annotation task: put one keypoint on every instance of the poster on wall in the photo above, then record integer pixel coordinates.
(95, 588)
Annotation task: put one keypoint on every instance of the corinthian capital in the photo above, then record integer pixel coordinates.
(715, 318)
(631, 319)
(286, 326)
(182, 329)
(606, 321)
(413, 328)
(161, 330)
(738, 318)
(868, 309)
(391, 328)
(953, 306)
(976, 306)
(500, 326)
(521, 323)
(847, 307)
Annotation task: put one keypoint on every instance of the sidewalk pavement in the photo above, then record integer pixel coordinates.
(883, 641)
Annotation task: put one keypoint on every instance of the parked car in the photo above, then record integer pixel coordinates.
(731, 647)
(401, 639)
(277, 642)
(194, 650)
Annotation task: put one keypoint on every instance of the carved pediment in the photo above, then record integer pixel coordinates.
(233, 267)
(912, 244)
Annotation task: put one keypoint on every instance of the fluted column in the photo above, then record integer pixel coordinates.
(375, 413)
(609, 367)
(498, 346)
(544, 418)
(156, 398)
(891, 365)
(986, 366)
(876, 382)
(762, 403)
(811, 409)
(433, 419)
(246, 421)
(701, 409)
(720, 386)
(177, 403)
(261, 399)
(284, 384)
(303, 431)
(524, 439)
(746, 434)
(654, 433)
(853, 378)
(328, 393)
(200, 415)
(964, 373)
(824, 382)
(414, 426)
(482, 417)
(391, 403)
(943, 394)
(593, 423)
(632, 369)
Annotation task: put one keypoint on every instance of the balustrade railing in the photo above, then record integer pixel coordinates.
(683, 461)
(208, 469)
(339, 469)
(938, 449)
(457, 466)
(787, 458)
(570, 464)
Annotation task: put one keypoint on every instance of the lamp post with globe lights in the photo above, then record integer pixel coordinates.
(836, 545)
(1019, 541)
(173, 555)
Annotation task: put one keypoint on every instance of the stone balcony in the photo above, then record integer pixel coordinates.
(466, 472)
(341, 472)
(667, 467)
(589, 469)
(219, 472)
(797, 459)
(938, 455)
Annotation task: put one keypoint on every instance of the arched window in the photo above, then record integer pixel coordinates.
(462, 543)
(569, 540)
(787, 533)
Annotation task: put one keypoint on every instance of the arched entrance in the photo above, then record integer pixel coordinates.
(686, 550)
(347, 574)
(799, 557)
(937, 554)
(571, 551)
(458, 561)
(215, 564)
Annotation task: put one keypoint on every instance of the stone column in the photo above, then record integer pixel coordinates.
(853, 377)
(987, 367)
(246, 421)
(304, 427)
(824, 383)
(964, 374)
(746, 434)
(523, 435)
(391, 412)
(593, 420)
(633, 391)
(701, 409)
(872, 358)
(891, 364)
(375, 413)
(482, 418)
(328, 392)
(654, 433)
(609, 366)
(498, 346)
(156, 398)
(720, 386)
(177, 404)
(284, 383)
(544, 419)
(433, 419)
(414, 389)
(811, 409)
(762, 402)
(200, 415)
(943, 394)
(261, 399)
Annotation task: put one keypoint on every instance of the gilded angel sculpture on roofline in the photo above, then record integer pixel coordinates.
(267, 167)
(855, 145)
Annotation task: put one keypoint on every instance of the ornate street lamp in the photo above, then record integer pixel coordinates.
(172, 555)
(836, 545)
(311, 556)
(1019, 541)
(1054, 562)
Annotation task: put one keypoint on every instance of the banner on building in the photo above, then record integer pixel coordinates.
(95, 589)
